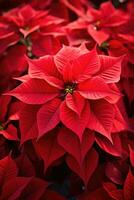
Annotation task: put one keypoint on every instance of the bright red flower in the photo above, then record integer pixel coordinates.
(101, 24)
(26, 25)
(70, 124)
(75, 87)
(104, 20)
(28, 20)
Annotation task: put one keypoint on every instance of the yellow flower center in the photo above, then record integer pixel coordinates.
(69, 89)
(97, 25)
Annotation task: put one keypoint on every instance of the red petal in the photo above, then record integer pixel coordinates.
(4, 102)
(120, 120)
(65, 55)
(45, 44)
(10, 133)
(14, 187)
(107, 7)
(94, 88)
(25, 166)
(101, 118)
(113, 98)
(48, 116)
(34, 190)
(86, 170)
(49, 149)
(75, 102)
(44, 68)
(99, 36)
(110, 68)
(74, 122)
(8, 170)
(34, 91)
(129, 187)
(113, 17)
(114, 173)
(15, 109)
(82, 68)
(23, 78)
(70, 142)
(113, 192)
(28, 122)
(26, 13)
(7, 40)
(114, 148)
(55, 82)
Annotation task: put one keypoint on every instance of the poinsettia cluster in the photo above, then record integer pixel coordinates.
(66, 100)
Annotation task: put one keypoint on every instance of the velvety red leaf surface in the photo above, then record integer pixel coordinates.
(66, 100)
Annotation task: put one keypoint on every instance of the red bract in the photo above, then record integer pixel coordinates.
(7, 129)
(28, 20)
(19, 66)
(126, 193)
(101, 24)
(49, 149)
(75, 87)
(25, 25)
(77, 150)
(13, 187)
(66, 100)
(104, 21)
(7, 38)
(85, 170)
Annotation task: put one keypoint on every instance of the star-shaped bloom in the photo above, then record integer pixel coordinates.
(75, 87)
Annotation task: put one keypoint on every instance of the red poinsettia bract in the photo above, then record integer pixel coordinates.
(75, 87)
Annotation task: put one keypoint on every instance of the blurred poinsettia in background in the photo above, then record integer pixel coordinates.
(66, 100)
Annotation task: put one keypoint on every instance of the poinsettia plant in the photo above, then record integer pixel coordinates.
(66, 100)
